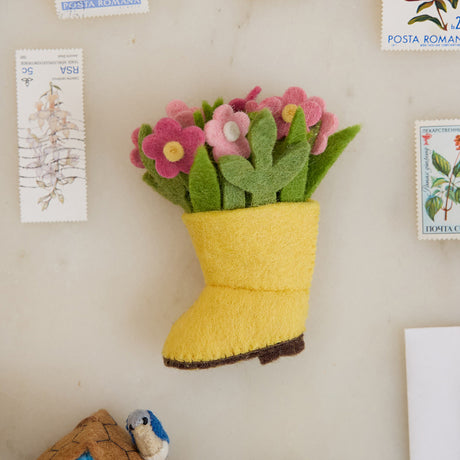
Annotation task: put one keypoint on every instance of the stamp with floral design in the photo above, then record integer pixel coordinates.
(51, 135)
(438, 179)
(78, 9)
(421, 25)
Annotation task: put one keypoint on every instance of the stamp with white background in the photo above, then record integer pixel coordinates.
(438, 179)
(78, 9)
(420, 25)
(51, 135)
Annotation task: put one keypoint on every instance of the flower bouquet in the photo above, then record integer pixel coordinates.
(244, 173)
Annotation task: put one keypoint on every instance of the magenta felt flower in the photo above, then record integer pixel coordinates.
(172, 147)
(181, 112)
(226, 132)
(329, 125)
(135, 156)
(239, 105)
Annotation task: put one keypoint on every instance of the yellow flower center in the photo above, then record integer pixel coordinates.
(173, 151)
(289, 112)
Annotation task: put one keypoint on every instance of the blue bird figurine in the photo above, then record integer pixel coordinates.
(148, 435)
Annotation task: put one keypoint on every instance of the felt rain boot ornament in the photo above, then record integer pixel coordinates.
(244, 173)
(98, 437)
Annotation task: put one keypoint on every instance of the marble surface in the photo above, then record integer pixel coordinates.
(86, 307)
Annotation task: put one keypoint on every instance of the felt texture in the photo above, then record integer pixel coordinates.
(258, 265)
(169, 131)
(99, 436)
(293, 97)
(319, 165)
(239, 104)
(181, 112)
(232, 197)
(174, 190)
(266, 355)
(134, 156)
(217, 134)
(86, 456)
(295, 190)
(260, 176)
(204, 185)
(198, 118)
(329, 125)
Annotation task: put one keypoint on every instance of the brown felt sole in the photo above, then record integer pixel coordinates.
(266, 355)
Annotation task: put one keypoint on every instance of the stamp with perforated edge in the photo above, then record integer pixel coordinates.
(420, 25)
(51, 135)
(438, 179)
(78, 9)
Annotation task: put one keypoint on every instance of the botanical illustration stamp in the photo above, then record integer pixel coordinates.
(438, 179)
(51, 135)
(420, 25)
(77, 9)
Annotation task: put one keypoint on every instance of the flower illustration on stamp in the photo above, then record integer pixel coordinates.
(440, 5)
(445, 188)
(47, 137)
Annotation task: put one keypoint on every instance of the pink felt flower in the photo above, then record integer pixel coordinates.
(284, 108)
(239, 105)
(172, 147)
(226, 132)
(329, 125)
(181, 112)
(135, 156)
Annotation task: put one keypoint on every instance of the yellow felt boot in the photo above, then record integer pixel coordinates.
(258, 265)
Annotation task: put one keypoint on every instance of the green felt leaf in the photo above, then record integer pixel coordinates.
(440, 163)
(238, 171)
(438, 181)
(319, 165)
(441, 4)
(425, 17)
(171, 189)
(263, 183)
(198, 117)
(454, 3)
(424, 6)
(232, 197)
(432, 205)
(144, 131)
(456, 170)
(262, 137)
(207, 110)
(294, 191)
(262, 177)
(219, 101)
(204, 184)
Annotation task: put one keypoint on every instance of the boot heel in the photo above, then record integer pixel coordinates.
(289, 348)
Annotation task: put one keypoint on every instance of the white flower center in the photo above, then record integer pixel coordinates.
(231, 131)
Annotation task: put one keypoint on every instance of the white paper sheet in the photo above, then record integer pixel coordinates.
(433, 389)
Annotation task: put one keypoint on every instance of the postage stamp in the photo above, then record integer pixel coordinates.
(51, 135)
(78, 9)
(438, 179)
(420, 25)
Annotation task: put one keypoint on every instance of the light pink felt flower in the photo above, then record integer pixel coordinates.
(135, 156)
(172, 147)
(226, 132)
(284, 108)
(181, 112)
(329, 125)
(239, 105)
